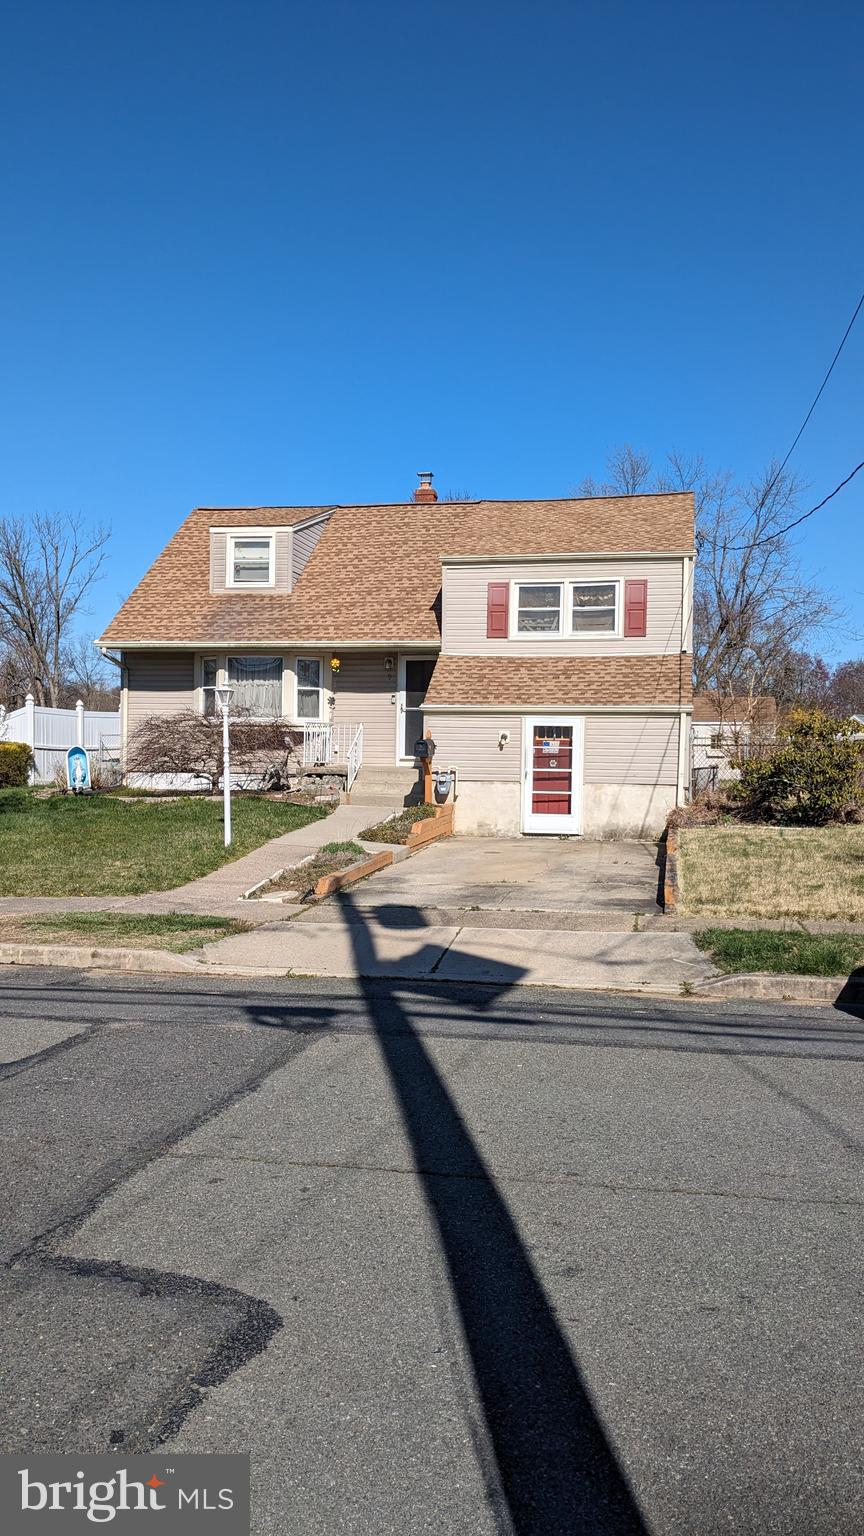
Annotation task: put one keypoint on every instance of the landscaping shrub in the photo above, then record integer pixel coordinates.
(16, 760)
(812, 777)
(188, 742)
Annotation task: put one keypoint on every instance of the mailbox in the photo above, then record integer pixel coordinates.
(424, 749)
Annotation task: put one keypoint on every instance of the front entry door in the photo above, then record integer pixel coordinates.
(552, 776)
(416, 677)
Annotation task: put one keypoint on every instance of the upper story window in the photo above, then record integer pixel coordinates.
(538, 608)
(559, 608)
(594, 607)
(250, 560)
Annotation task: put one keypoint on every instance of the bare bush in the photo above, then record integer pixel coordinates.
(190, 743)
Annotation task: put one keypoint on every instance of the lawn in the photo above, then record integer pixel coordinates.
(797, 953)
(102, 846)
(119, 930)
(752, 871)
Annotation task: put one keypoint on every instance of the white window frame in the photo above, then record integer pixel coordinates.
(322, 715)
(536, 634)
(240, 537)
(202, 689)
(565, 630)
(594, 634)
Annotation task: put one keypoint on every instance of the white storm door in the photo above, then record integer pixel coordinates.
(552, 775)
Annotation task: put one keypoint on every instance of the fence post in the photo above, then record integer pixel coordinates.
(79, 723)
(30, 731)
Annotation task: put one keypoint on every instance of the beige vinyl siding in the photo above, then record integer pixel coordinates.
(282, 561)
(631, 749)
(218, 559)
(464, 608)
(304, 540)
(158, 684)
(619, 749)
(364, 693)
(470, 744)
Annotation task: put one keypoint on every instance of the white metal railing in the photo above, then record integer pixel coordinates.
(355, 757)
(327, 741)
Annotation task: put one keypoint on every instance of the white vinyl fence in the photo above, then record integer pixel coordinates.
(51, 732)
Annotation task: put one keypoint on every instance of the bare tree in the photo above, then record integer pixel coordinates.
(628, 473)
(459, 496)
(88, 676)
(754, 607)
(47, 569)
(846, 693)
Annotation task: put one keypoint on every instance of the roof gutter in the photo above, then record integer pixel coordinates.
(270, 645)
(580, 554)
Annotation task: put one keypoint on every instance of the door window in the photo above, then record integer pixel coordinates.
(552, 770)
(418, 675)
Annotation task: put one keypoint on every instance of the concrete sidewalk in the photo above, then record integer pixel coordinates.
(357, 944)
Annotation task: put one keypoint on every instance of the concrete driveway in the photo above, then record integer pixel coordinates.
(520, 874)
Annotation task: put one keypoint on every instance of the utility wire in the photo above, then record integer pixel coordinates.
(798, 435)
(779, 532)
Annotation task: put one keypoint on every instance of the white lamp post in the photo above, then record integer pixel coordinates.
(223, 696)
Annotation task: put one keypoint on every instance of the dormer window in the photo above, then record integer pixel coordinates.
(250, 560)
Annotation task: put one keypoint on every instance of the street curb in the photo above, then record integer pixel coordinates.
(86, 957)
(782, 987)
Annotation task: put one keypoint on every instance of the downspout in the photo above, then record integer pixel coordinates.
(121, 666)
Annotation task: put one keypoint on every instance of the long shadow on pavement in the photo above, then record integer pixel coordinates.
(554, 1466)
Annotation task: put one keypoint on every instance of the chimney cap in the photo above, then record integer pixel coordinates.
(425, 491)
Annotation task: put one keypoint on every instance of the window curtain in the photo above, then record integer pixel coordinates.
(257, 685)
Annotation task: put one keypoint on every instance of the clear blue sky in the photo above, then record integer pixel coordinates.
(294, 252)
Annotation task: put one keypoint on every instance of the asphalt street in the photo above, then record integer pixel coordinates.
(442, 1259)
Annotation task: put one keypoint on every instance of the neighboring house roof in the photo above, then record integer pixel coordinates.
(545, 682)
(721, 709)
(375, 574)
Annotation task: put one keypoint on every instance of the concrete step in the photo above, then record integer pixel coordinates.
(383, 800)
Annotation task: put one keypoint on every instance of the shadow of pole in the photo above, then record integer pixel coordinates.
(553, 1464)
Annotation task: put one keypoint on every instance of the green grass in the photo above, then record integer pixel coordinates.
(123, 930)
(794, 952)
(100, 846)
(397, 828)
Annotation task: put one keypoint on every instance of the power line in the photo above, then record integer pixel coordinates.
(798, 435)
(779, 532)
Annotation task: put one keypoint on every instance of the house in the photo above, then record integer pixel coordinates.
(545, 644)
(726, 729)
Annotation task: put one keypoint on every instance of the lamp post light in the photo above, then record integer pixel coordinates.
(223, 697)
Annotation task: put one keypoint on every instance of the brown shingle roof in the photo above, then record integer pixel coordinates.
(540, 682)
(375, 574)
(711, 708)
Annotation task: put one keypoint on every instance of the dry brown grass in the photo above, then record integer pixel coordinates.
(752, 871)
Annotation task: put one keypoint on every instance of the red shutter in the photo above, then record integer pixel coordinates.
(497, 600)
(635, 607)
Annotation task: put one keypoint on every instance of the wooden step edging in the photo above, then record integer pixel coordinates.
(671, 872)
(329, 884)
(428, 831)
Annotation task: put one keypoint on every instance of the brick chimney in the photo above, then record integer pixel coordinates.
(425, 490)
